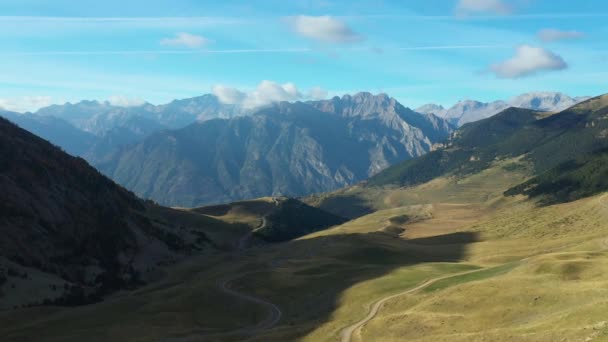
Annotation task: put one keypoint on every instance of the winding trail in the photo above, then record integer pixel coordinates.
(275, 313)
(348, 332)
(273, 318)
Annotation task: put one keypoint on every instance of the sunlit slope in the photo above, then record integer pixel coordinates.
(481, 188)
(550, 286)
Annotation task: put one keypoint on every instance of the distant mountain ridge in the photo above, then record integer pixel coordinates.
(469, 111)
(286, 149)
(100, 117)
(102, 127)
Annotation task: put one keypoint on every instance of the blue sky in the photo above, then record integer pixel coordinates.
(437, 51)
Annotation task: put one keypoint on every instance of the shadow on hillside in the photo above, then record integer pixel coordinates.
(349, 206)
(305, 278)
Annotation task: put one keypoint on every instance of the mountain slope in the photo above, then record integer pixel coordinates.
(545, 141)
(285, 149)
(67, 228)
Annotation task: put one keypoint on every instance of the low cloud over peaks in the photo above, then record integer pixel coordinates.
(228, 95)
(528, 60)
(184, 39)
(324, 29)
(124, 101)
(265, 93)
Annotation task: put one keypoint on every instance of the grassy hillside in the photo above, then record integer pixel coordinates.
(472, 148)
(71, 236)
(483, 187)
(325, 281)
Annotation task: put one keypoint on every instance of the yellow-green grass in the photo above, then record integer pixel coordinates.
(326, 281)
(474, 276)
(556, 291)
(310, 279)
(556, 297)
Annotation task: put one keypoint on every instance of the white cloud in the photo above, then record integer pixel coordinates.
(269, 91)
(551, 35)
(228, 95)
(123, 101)
(25, 103)
(324, 29)
(185, 39)
(468, 7)
(528, 60)
(265, 93)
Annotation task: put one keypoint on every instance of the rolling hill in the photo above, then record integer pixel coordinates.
(275, 219)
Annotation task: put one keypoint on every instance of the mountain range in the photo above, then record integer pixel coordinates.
(289, 149)
(469, 110)
(199, 151)
(108, 126)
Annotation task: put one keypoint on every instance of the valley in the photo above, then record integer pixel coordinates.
(303, 171)
(462, 254)
(404, 262)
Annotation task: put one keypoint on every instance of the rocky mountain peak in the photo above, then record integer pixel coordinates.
(470, 110)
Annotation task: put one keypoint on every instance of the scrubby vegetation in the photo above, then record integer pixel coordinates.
(545, 141)
(471, 149)
(569, 181)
